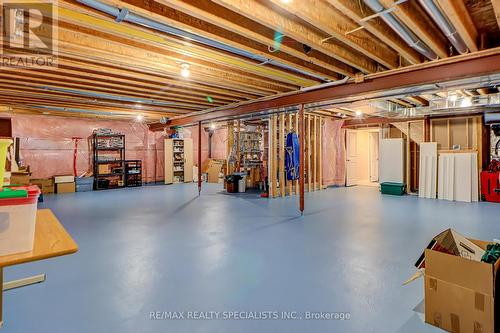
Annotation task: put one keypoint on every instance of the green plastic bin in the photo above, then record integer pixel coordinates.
(392, 188)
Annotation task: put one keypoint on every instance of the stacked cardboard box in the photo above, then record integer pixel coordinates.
(215, 170)
(65, 184)
(46, 185)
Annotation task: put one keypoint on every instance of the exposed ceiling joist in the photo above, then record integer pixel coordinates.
(458, 15)
(259, 12)
(355, 11)
(415, 18)
(319, 14)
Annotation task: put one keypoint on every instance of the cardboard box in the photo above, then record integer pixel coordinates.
(65, 188)
(103, 169)
(64, 179)
(459, 292)
(46, 185)
(214, 170)
(19, 178)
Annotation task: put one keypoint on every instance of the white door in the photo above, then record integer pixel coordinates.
(351, 157)
(374, 156)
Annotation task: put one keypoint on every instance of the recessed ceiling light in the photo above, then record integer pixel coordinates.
(185, 70)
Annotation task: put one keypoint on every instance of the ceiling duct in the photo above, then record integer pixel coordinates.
(406, 34)
(445, 25)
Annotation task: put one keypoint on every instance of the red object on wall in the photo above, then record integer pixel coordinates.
(490, 186)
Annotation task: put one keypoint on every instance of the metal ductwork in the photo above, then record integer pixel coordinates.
(125, 15)
(406, 34)
(445, 25)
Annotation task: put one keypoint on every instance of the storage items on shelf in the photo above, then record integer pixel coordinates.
(133, 173)
(109, 159)
(178, 160)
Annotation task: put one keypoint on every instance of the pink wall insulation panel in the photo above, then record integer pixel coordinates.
(333, 153)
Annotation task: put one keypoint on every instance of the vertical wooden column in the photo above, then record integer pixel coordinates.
(238, 155)
(274, 156)
(290, 128)
(315, 152)
(230, 144)
(301, 158)
(281, 134)
(296, 182)
(408, 156)
(427, 129)
(308, 138)
(199, 158)
(270, 158)
(320, 153)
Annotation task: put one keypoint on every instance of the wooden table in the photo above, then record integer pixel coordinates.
(51, 240)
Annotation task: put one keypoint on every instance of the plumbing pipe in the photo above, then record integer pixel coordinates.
(325, 85)
(406, 34)
(445, 25)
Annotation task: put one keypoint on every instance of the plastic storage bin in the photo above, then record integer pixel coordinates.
(392, 188)
(18, 207)
(84, 184)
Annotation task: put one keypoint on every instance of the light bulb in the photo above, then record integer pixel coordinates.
(212, 126)
(359, 113)
(139, 117)
(466, 102)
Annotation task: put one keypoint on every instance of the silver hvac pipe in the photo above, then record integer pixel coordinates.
(406, 34)
(125, 15)
(445, 25)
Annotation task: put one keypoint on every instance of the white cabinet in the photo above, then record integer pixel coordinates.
(178, 161)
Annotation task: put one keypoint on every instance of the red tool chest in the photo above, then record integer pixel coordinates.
(490, 186)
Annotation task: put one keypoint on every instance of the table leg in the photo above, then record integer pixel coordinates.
(16, 284)
(24, 282)
(1, 297)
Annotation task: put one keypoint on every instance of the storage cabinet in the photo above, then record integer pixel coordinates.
(178, 161)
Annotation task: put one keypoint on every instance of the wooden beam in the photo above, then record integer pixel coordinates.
(199, 158)
(320, 153)
(308, 138)
(417, 20)
(281, 134)
(496, 10)
(315, 152)
(301, 167)
(301, 158)
(274, 155)
(319, 13)
(290, 129)
(259, 12)
(356, 11)
(458, 14)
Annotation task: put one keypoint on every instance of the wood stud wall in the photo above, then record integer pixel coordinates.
(279, 126)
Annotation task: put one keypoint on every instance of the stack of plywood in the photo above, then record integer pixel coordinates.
(458, 177)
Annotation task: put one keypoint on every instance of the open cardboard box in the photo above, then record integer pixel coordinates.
(460, 293)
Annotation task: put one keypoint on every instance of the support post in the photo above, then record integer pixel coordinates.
(301, 157)
(1, 297)
(199, 158)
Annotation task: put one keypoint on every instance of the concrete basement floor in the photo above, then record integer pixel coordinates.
(162, 248)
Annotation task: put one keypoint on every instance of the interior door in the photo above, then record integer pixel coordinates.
(351, 157)
(188, 160)
(374, 156)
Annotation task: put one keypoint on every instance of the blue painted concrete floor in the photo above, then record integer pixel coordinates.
(162, 248)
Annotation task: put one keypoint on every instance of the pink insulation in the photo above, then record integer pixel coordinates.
(46, 144)
(219, 144)
(333, 153)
